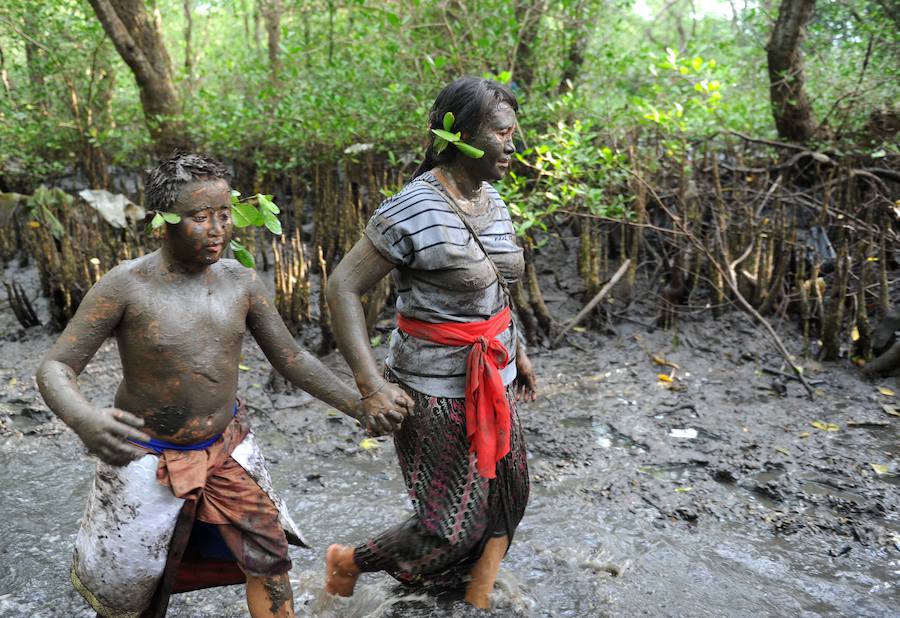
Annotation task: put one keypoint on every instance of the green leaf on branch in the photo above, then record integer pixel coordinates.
(469, 151)
(243, 214)
(242, 255)
(271, 222)
(266, 203)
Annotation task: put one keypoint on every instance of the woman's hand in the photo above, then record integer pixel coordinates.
(382, 411)
(526, 383)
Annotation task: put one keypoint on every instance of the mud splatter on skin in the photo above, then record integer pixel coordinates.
(278, 587)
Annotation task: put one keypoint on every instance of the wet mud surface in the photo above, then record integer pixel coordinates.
(720, 489)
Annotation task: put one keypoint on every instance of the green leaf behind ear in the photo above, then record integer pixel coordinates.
(446, 135)
(449, 119)
(242, 255)
(439, 145)
(271, 222)
(243, 214)
(469, 151)
(157, 221)
(171, 217)
(266, 203)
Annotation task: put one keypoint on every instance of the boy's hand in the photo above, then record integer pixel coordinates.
(526, 383)
(104, 434)
(384, 410)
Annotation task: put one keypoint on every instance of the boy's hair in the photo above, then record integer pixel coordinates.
(164, 181)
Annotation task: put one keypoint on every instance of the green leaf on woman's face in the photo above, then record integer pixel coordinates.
(449, 119)
(171, 217)
(446, 135)
(469, 151)
(243, 214)
(242, 255)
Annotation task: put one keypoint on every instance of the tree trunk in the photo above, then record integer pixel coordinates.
(577, 42)
(528, 16)
(138, 39)
(790, 106)
(271, 10)
(188, 44)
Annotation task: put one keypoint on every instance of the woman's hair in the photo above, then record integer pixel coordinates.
(164, 181)
(470, 99)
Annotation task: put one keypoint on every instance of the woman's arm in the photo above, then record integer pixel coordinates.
(360, 270)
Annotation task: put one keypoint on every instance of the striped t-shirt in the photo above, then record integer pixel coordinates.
(442, 275)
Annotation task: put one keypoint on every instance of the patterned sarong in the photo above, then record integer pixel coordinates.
(456, 510)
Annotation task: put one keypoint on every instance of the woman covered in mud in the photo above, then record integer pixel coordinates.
(455, 360)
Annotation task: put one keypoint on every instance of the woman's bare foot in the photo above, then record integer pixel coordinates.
(341, 571)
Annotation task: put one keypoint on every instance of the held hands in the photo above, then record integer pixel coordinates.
(526, 383)
(104, 433)
(382, 411)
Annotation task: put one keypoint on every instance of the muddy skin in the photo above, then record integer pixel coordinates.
(278, 588)
(179, 316)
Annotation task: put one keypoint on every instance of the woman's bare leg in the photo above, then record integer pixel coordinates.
(270, 596)
(484, 573)
(341, 571)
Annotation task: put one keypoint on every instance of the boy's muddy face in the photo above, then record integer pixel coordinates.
(205, 228)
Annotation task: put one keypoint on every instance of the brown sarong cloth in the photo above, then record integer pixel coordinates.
(229, 497)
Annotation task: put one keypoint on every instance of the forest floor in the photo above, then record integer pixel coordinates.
(719, 489)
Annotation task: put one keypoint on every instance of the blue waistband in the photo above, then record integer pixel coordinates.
(158, 446)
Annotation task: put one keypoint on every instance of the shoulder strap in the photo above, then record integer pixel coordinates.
(465, 221)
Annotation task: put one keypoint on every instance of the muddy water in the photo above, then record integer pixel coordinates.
(593, 542)
(709, 495)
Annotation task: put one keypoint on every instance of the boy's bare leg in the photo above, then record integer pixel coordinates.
(484, 573)
(270, 596)
(341, 572)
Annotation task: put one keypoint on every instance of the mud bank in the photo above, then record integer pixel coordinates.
(719, 489)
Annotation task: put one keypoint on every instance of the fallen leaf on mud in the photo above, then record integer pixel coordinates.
(824, 426)
(803, 434)
(783, 451)
(13, 381)
(368, 443)
(665, 378)
(879, 468)
(890, 410)
(579, 329)
(683, 489)
(659, 360)
(854, 334)
(375, 341)
(886, 391)
(243, 367)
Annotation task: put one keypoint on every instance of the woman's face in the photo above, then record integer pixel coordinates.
(495, 138)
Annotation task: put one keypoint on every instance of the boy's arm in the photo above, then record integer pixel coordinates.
(103, 430)
(290, 360)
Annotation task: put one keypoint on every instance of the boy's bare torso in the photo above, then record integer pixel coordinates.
(179, 338)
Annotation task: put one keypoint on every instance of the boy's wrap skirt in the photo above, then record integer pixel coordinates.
(126, 534)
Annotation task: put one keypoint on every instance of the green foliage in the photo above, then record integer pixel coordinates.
(71, 99)
(245, 214)
(566, 171)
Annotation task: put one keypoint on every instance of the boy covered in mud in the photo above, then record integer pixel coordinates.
(176, 447)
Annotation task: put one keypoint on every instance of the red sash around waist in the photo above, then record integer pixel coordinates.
(487, 409)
